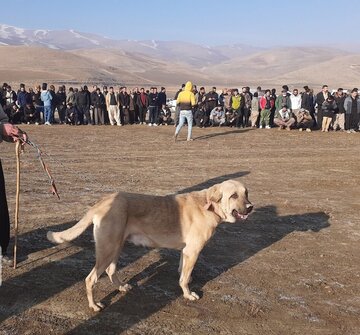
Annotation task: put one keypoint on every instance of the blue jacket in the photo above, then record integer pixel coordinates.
(23, 98)
(46, 98)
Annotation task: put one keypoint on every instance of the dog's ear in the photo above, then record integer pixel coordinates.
(214, 195)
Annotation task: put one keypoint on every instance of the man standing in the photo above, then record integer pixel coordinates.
(211, 101)
(98, 103)
(246, 107)
(320, 98)
(112, 104)
(153, 107)
(307, 102)
(295, 99)
(186, 101)
(143, 103)
(352, 109)
(83, 105)
(46, 98)
(9, 133)
(339, 117)
(124, 102)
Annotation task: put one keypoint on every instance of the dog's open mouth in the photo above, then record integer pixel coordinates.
(239, 216)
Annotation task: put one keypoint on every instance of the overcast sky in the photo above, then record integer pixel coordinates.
(206, 22)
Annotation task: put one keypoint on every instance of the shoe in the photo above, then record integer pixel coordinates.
(175, 137)
(260, 127)
(36, 123)
(267, 127)
(301, 129)
(190, 139)
(120, 124)
(155, 125)
(150, 124)
(308, 130)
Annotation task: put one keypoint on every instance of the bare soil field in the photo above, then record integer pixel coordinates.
(292, 268)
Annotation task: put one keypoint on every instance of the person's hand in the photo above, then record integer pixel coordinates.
(12, 133)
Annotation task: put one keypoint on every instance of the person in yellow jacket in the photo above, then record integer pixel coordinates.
(185, 101)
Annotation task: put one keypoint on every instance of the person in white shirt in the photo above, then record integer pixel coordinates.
(295, 98)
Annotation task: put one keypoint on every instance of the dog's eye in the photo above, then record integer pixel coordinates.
(234, 196)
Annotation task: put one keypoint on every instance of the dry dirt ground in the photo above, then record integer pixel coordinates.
(292, 268)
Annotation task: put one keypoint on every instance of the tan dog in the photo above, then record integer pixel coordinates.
(183, 221)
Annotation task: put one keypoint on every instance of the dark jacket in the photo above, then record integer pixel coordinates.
(60, 98)
(307, 102)
(162, 98)
(340, 103)
(23, 98)
(82, 99)
(153, 99)
(211, 100)
(124, 100)
(98, 100)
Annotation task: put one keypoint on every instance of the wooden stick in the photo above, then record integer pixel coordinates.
(17, 150)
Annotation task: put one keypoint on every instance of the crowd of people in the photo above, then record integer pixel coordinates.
(303, 110)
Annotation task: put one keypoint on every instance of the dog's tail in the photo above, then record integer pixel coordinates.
(73, 232)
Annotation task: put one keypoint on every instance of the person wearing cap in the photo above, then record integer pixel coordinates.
(185, 101)
(352, 110)
(8, 133)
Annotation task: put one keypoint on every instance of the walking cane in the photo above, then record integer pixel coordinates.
(17, 150)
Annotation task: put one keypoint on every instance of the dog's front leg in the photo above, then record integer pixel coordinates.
(189, 256)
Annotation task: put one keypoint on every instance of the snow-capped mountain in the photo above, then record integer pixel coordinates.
(186, 52)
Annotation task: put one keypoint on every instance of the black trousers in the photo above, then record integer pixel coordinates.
(4, 215)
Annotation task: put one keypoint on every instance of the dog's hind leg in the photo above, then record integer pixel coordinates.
(106, 252)
(90, 281)
(111, 272)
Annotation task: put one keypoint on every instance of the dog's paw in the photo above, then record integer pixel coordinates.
(97, 307)
(125, 288)
(192, 296)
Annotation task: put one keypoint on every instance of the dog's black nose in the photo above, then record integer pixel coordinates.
(249, 208)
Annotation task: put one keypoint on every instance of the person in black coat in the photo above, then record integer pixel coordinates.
(320, 98)
(99, 107)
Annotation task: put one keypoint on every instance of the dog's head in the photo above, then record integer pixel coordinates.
(229, 200)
